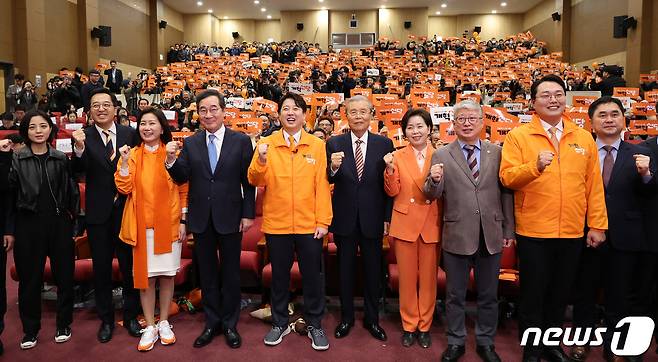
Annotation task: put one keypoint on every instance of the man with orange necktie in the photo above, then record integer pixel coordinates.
(553, 167)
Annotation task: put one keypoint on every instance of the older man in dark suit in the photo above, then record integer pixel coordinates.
(478, 221)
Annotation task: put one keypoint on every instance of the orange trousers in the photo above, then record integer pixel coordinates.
(417, 264)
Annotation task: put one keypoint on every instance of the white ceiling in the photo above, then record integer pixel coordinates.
(246, 9)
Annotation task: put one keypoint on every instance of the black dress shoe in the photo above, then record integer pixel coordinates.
(453, 353)
(555, 354)
(408, 338)
(343, 329)
(233, 338)
(424, 339)
(133, 327)
(105, 332)
(376, 331)
(488, 353)
(205, 338)
(531, 354)
(2, 348)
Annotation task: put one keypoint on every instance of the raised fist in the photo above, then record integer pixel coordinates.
(544, 159)
(262, 152)
(172, 148)
(79, 138)
(436, 172)
(337, 160)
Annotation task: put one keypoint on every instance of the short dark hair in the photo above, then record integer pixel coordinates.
(15, 138)
(112, 61)
(604, 100)
(94, 71)
(7, 116)
(298, 99)
(19, 76)
(25, 125)
(210, 93)
(19, 107)
(165, 137)
(103, 90)
(326, 118)
(547, 78)
(318, 129)
(422, 113)
(143, 99)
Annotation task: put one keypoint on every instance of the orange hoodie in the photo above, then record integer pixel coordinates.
(556, 202)
(297, 199)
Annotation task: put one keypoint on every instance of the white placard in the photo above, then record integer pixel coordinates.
(247, 64)
(442, 114)
(626, 102)
(64, 145)
(73, 126)
(301, 88)
(171, 115)
(372, 72)
(525, 118)
(235, 102)
(513, 107)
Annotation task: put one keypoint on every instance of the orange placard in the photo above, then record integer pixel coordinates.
(581, 119)
(493, 115)
(265, 106)
(583, 101)
(397, 136)
(643, 127)
(499, 130)
(648, 78)
(626, 92)
(366, 92)
(651, 96)
(250, 125)
(447, 132)
(643, 109)
(180, 136)
(472, 96)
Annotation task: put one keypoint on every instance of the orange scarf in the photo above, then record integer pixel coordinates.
(162, 216)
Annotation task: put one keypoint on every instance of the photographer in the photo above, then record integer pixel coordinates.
(609, 77)
(64, 94)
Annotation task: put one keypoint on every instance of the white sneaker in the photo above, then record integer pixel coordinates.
(167, 336)
(28, 341)
(148, 339)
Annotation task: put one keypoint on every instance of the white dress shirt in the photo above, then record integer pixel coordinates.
(547, 127)
(219, 139)
(113, 137)
(297, 136)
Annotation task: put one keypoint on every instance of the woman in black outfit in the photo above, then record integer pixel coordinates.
(42, 200)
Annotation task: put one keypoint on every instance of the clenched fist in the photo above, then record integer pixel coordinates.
(388, 159)
(79, 138)
(642, 164)
(124, 151)
(262, 152)
(436, 172)
(337, 160)
(544, 159)
(172, 150)
(5, 145)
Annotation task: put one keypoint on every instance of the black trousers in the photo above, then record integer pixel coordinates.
(3, 288)
(220, 282)
(371, 255)
(589, 280)
(282, 249)
(38, 237)
(104, 243)
(547, 270)
(628, 285)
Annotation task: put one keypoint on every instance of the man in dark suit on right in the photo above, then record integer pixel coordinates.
(362, 211)
(114, 77)
(221, 207)
(95, 155)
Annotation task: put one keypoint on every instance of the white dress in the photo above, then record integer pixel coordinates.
(162, 264)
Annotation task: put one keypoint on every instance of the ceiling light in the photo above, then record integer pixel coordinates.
(210, 10)
(321, 1)
(444, 5)
(493, 11)
(263, 10)
(438, 13)
(269, 16)
(256, 2)
(225, 17)
(323, 8)
(199, 3)
(503, 4)
(382, 7)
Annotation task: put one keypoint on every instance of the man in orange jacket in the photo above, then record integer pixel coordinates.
(553, 167)
(292, 165)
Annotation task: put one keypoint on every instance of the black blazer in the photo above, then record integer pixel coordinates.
(626, 199)
(226, 195)
(365, 198)
(650, 212)
(99, 173)
(118, 76)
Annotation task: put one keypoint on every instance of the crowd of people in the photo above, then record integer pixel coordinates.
(566, 200)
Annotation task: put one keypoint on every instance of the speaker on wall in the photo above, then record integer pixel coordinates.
(162, 24)
(407, 24)
(235, 35)
(103, 34)
(300, 26)
(621, 24)
(477, 29)
(556, 16)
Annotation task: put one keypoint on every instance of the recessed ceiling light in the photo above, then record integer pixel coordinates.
(199, 3)
(444, 5)
(503, 4)
(321, 1)
(382, 7)
(225, 17)
(269, 16)
(256, 2)
(210, 10)
(323, 8)
(493, 11)
(263, 9)
(438, 13)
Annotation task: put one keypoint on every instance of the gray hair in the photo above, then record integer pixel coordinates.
(467, 104)
(358, 98)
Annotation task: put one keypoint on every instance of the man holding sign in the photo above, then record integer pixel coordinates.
(479, 222)
(553, 167)
(356, 168)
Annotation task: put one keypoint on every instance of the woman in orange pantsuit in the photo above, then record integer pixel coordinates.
(153, 221)
(415, 227)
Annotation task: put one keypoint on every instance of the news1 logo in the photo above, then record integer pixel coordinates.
(638, 337)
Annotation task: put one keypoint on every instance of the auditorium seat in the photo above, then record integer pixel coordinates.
(185, 271)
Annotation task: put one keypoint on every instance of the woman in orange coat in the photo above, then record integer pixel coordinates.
(153, 221)
(414, 227)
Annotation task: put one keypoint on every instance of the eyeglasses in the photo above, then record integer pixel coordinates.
(97, 106)
(546, 96)
(359, 112)
(212, 110)
(464, 120)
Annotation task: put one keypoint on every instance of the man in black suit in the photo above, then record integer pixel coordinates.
(88, 88)
(114, 77)
(624, 260)
(221, 207)
(95, 155)
(362, 211)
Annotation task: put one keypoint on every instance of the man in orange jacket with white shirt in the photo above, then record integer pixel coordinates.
(553, 167)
